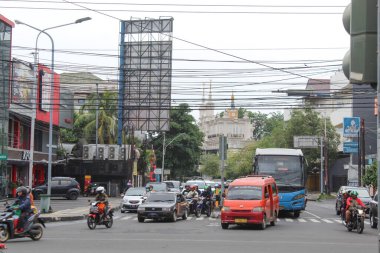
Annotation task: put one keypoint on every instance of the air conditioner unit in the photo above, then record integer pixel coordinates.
(124, 152)
(113, 152)
(86, 152)
(102, 152)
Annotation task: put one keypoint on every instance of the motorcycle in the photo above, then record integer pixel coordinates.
(9, 219)
(357, 220)
(205, 205)
(97, 216)
(193, 207)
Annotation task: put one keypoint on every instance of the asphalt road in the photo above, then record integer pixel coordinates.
(317, 230)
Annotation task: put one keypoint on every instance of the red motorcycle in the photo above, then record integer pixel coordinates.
(99, 215)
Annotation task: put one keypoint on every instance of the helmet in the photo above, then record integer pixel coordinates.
(22, 189)
(100, 189)
(354, 193)
(28, 188)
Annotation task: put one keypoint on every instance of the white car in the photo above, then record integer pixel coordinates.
(132, 198)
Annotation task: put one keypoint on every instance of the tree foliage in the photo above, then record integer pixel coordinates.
(210, 165)
(281, 135)
(183, 154)
(370, 177)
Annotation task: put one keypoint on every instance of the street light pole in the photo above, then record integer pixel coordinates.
(164, 151)
(51, 102)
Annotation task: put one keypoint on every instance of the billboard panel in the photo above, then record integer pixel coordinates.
(351, 126)
(22, 83)
(147, 79)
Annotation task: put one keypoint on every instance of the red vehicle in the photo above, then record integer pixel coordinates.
(251, 200)
(97, 215)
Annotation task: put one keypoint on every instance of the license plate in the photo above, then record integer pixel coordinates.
(240, 220)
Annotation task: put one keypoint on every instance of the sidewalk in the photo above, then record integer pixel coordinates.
(78, 213)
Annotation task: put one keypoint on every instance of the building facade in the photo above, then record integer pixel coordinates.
(239, 131)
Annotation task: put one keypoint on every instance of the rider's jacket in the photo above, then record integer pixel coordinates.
(206, 194)
(192, 194)
(24, 204)
(101, 197)
(354, 203)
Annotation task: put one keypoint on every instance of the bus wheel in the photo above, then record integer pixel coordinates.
(297, 214)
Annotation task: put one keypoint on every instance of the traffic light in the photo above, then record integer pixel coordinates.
(360, 21)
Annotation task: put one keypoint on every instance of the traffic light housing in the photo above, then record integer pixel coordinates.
(360, 21)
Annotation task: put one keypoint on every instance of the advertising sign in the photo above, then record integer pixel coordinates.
(350, 147)
(351, 127)
(22, 84)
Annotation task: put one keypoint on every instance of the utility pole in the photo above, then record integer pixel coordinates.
(97, 121)
(321, 176)
(326, 161)
(222, 152)
(361, 153)
(163, 159)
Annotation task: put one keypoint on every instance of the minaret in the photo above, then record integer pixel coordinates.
(209, 105)
(232, 101)
(232, 112)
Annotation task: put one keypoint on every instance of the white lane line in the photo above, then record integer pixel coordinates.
(301, 220)
(200, 218)
(126, 217)
(288, 220)
(338, 221)
(367, 222)
(316, 216)
(327, 221)
(135, 218)
(314, 220)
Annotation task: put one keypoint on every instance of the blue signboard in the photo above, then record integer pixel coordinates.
(350, 147)
(351, 127)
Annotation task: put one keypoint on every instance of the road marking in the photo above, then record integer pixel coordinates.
(327, 221)
(126, 217)
(302, 220)
(338, 221)
(367, 222)
(314, 220)
(278, 220)
(316, 216)
(135, 218)
(289, 220)
(200, 218)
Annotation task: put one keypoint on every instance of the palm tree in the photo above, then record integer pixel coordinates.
(107, 121)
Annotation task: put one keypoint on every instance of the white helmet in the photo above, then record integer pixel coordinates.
(100, 189)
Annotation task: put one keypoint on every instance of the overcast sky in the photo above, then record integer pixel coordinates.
(237, 45)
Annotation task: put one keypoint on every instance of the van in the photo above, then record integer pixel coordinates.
(251, 200)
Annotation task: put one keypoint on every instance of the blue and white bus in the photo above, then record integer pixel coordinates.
(287, 168)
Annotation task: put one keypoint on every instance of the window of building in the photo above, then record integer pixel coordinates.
(81, 101)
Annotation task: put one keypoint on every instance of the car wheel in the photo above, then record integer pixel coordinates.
(141, 219)
(174, 216)
(263, 225)
(185, 214)
(73, 195)
(225, 225)
(273, 222)
(372, 220)
(122, 211)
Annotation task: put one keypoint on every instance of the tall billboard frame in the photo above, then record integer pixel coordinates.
(145, 74)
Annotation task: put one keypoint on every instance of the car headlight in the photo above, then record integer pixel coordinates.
(226, 209)
(299, 196)
(258, 209)
(167, 209)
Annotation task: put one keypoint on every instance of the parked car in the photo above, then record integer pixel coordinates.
(60, 187)
(363, 195)
(373, 215)
(133, 197)
(158, 186)
(163, 205)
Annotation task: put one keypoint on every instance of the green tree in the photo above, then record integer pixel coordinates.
(370, 177)
(183, 154)
(107, 120)
(210, 165)
(240, 163)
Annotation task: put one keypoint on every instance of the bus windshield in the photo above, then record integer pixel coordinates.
(286, 170)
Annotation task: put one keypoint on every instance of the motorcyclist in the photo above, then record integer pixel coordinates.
(345, 196)
(193, 194)
(186, 190)
(23, 203)
(208, 194)
(352, 203)
(197, 189)
(102, 197)
(217, 194)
